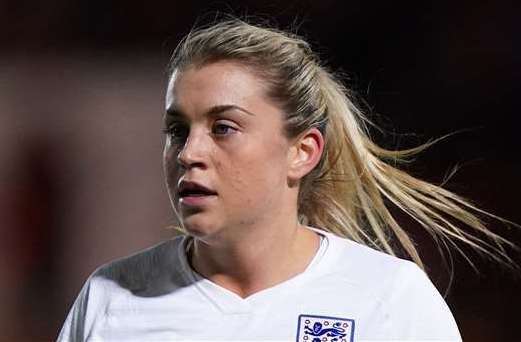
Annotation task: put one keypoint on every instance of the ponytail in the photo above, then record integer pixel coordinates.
(348, 195)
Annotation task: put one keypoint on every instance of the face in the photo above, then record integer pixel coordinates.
(224, 133)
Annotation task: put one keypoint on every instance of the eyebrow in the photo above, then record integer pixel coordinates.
(212, 111)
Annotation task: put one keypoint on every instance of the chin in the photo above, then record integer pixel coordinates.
(199, 229)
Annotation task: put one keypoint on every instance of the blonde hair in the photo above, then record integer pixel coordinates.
(346, 192)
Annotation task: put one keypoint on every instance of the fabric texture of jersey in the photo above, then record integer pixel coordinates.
(348, 293)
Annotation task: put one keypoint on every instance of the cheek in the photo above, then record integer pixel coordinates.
(253, 174)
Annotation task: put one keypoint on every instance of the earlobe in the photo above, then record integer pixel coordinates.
(305, 154)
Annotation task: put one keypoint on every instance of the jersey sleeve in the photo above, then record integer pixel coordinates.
(419, 312)
(75, 325)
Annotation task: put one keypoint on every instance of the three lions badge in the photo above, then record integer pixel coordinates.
(325, 329)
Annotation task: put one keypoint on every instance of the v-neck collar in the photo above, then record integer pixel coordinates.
(229, 302)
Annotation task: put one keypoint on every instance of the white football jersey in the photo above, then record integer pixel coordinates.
(348, 293)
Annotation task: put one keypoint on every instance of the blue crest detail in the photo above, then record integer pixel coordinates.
(312, 328)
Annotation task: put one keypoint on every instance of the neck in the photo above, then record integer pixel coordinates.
(258, 261)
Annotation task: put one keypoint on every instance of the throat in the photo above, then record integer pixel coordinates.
(269, 272)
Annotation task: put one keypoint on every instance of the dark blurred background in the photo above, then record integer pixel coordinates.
(81, 99)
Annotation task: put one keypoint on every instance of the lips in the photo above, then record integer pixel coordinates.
(194, 189)
(195, 195)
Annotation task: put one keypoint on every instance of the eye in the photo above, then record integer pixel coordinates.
(176, 131)
(222, 129)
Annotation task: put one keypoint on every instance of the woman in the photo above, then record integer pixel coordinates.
(279, 193)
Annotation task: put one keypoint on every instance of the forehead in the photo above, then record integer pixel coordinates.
(213, 84)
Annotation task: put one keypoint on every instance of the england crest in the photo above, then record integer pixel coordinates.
(313, 328)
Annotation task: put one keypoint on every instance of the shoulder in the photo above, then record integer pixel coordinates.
(401, 290)
(376, 271)
(144, 271)
(152, 271)
(363, 264)
(149, 272)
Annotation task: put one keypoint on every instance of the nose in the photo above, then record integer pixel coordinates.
(193, 152)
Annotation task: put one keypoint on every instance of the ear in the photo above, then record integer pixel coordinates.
(304, 154)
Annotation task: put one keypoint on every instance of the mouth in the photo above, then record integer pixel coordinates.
(194, 194)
